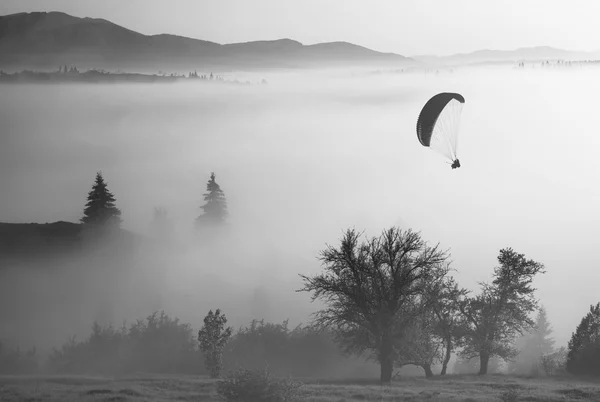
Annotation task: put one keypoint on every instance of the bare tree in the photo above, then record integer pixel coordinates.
(366, 287)
(500, 313)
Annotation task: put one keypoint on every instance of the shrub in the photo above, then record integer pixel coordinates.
(162, 344)
(260, 343)
(158, 344)
(245, 385)
(301, 352)
(15, 361)
(510, 395)
(555, 363)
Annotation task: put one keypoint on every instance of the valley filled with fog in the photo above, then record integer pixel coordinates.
(300, 160)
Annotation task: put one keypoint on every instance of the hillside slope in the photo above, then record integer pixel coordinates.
(47, 40)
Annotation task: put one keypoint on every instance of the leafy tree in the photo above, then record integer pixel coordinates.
(367, 287)
(448, 326)
(161, 224)
(418, 345)
(533, 345)
(160, 214)
(500, 313)
(100, 208)
(215, 209)
(213, 337)
(583, 355)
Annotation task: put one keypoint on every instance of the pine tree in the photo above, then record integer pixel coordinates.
(541, 339)
(584, 347)
(100, 208)
(533, 345)
(215, 209)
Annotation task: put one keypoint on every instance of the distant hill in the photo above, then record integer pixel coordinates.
(522, 54)
(46, 40)
(32, 241)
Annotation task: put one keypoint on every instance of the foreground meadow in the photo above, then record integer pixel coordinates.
(187, 388)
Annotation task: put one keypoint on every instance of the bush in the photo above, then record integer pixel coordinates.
(510, 395)
(162, 344)
(157, 344)
(301, 352)
(260, 343)
(555, 363)
(245, 385)
(14, 361)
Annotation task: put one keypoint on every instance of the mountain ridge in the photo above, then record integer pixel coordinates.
(531, 53)
(34, 40)
(49, 39)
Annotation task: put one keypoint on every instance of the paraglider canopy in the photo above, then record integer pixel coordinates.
(438, 124)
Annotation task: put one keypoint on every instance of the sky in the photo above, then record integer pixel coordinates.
(408, 27)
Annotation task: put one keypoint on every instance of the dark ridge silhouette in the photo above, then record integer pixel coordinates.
(23, 238)
(46, 40)
(32, 241)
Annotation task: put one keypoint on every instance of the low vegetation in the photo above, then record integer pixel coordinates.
(463, 388)
(73, 75)
(245, 385)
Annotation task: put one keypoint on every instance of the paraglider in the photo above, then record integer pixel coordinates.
(438, 124)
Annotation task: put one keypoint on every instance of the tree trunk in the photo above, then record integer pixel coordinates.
(386, 370)
(428, 372)
(447, 357)
(484, 359)
(385, 360)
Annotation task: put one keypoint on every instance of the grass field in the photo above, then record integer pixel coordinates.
(186, 388)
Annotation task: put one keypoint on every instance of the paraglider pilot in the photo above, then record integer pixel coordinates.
(456, 164)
